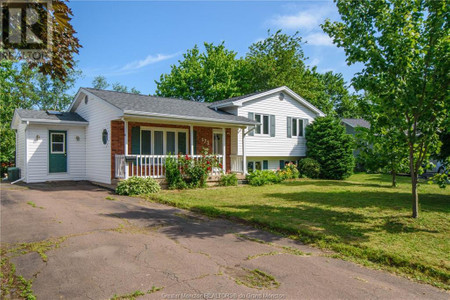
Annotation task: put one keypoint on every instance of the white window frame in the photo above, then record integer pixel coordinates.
(164, 130)
(63, 143)
(297, 127)
(261, 125)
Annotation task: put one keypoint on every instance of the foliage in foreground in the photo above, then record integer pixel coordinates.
(331, 147)
(404, 49)
(138, 186)
(13, 286)
(362, 219)
(229, 179)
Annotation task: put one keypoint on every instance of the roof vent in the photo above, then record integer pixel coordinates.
(54, 112)
(281, 96)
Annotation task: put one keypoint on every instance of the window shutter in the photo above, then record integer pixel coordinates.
(272, 125)
(281, 164)
(136, 140)
(251, 116)
(305, 123)
(265, 164)
(289, 124)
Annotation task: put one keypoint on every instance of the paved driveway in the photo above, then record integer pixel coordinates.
(120, 246)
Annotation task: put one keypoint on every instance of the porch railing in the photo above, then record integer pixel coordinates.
(149, 165)
(237, 163)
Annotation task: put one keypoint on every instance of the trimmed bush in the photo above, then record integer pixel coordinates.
(309, 167)
(138, 186)
(259, 178)
(229, 180)
(331, 147)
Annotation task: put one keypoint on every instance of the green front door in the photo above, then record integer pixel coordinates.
(57, 151)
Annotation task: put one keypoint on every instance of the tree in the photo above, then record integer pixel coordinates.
(64, 45)
(331, 147)
(100, 83)
(203, 76)
(404, 47)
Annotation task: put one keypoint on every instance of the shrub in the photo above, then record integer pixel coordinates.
(229, 180)
(309, 167)
(331, 147)
(173, 174)
(138, 186)
(290, 171)
(259, 178)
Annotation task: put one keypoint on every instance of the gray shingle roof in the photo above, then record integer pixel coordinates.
(29, 114)
(234, 98)
(184, 109)
(357, 123)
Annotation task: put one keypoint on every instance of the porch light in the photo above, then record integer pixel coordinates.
(77, 138)
(37, 137)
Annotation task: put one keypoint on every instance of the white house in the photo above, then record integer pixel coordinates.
(107, 135)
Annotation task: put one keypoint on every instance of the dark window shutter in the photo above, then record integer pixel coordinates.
(136, 140)
(146, 142)
(195, 142)
(281, 164)
(251, 116)
(272, 125)
(289, 124)
(265, 164)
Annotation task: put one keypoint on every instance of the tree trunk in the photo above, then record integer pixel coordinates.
(394, 178)
(415, 196)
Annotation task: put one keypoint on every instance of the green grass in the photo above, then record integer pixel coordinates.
(362, 219)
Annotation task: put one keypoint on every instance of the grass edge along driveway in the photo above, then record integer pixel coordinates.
(361, 219)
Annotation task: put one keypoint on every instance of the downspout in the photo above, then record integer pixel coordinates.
(244, 158)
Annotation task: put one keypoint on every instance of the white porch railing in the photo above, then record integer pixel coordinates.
(149, 165)
(237, 163)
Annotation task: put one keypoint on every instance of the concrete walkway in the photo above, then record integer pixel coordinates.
(120, 246)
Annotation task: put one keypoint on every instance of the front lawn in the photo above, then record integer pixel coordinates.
(362, 219)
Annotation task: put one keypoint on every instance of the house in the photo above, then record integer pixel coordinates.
(107, 135)
(352, 124)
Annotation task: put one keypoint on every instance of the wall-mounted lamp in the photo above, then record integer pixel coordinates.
(77, 138)
(37, 137)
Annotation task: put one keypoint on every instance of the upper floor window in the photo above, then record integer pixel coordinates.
(296, 127)
(263, 127)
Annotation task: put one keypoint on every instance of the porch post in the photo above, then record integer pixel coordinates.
(191, 137)
(126, 148)
(224, 150)
(244, 158)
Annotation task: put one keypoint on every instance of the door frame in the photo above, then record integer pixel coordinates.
(50, 132)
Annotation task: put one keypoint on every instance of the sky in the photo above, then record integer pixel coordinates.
(134, 42)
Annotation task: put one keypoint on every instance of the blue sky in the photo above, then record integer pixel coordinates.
(134, 42)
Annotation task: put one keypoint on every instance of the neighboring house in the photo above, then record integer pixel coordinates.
(108, 135)
(351, 126)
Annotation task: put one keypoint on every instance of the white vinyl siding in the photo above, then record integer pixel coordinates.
(38, 153)
(273, 163)
(99, 114)
(20, 150)
(280, 144)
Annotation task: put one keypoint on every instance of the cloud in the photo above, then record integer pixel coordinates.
(150, 59)
(314, 62)
(319, 39)
(308, 19)
(131, 67)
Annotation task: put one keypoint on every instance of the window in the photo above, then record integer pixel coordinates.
(258, 165)
(160, 141)
(258, 127)
(105, 136)
(266, 125)
(264, 119)
(250, 167)
(265, 164)
(254, 165)
(58, 142)
(297, 127)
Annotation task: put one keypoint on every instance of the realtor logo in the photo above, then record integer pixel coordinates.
(25, 29)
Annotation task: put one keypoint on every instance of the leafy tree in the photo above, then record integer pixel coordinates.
(404, 47)
(100, 83)
(64, 43)
(331, 147)
(203, 76)
(382, 149)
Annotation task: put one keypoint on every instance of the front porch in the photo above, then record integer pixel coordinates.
(141, 148)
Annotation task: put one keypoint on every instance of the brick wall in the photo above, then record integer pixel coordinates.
(117, 143)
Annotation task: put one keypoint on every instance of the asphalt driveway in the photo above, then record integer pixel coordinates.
(103, 245)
